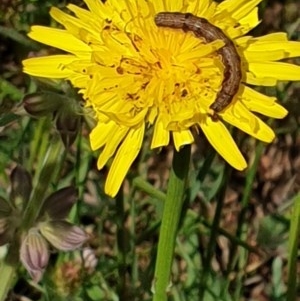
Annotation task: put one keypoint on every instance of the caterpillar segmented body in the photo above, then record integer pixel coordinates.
(229, 55)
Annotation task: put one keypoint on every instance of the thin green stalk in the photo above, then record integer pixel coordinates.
(48, 169)
(132, 242)
(241, 231)
(294, 237)
(170, 221)
(122, 239)
(251, 175)
(148, 188)
(204, 170)
(213, 235)
(233, 239)
(38, 144)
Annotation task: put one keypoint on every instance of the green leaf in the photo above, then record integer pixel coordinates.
(95, 293)
(13, 34)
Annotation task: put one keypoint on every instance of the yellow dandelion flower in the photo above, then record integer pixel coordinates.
(135, 74)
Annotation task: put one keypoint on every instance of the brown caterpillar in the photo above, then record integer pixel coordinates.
(230, 58)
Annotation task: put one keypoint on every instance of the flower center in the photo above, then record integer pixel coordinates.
(155, 71)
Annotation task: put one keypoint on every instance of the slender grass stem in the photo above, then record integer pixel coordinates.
(132, 242)
(170, 221)
(38, 144)
(46, 172)
(148, 188)
(241, 232)
(213, 235)
(122, 246)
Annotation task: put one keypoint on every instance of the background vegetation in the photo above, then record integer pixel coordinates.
(238, 235)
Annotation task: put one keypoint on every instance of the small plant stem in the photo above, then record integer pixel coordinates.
(294, 235)
(213, 235)
(132, 242)
(148, 188)
(38, 144)
(241, 232)
(122, 239)
(233, 239)
(47, 170)
(170, 221)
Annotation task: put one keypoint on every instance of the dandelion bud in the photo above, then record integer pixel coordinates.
(34, 254)
(63, 235)
(41, 104)
(67, 123)
(21, 187)
(58, 205)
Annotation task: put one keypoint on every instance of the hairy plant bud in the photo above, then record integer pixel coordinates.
(68, 124)
(58, 205)
(34, 254)
(63, 235)
(42, 103)
(21, 187)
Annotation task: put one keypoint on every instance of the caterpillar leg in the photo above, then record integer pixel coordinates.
(214, 117)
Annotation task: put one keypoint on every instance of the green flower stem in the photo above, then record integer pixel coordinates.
(169, 224)
(293, 251)
(47, 170)
(213, 234)
(39, 143)
(241, 232)
(122, 241)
